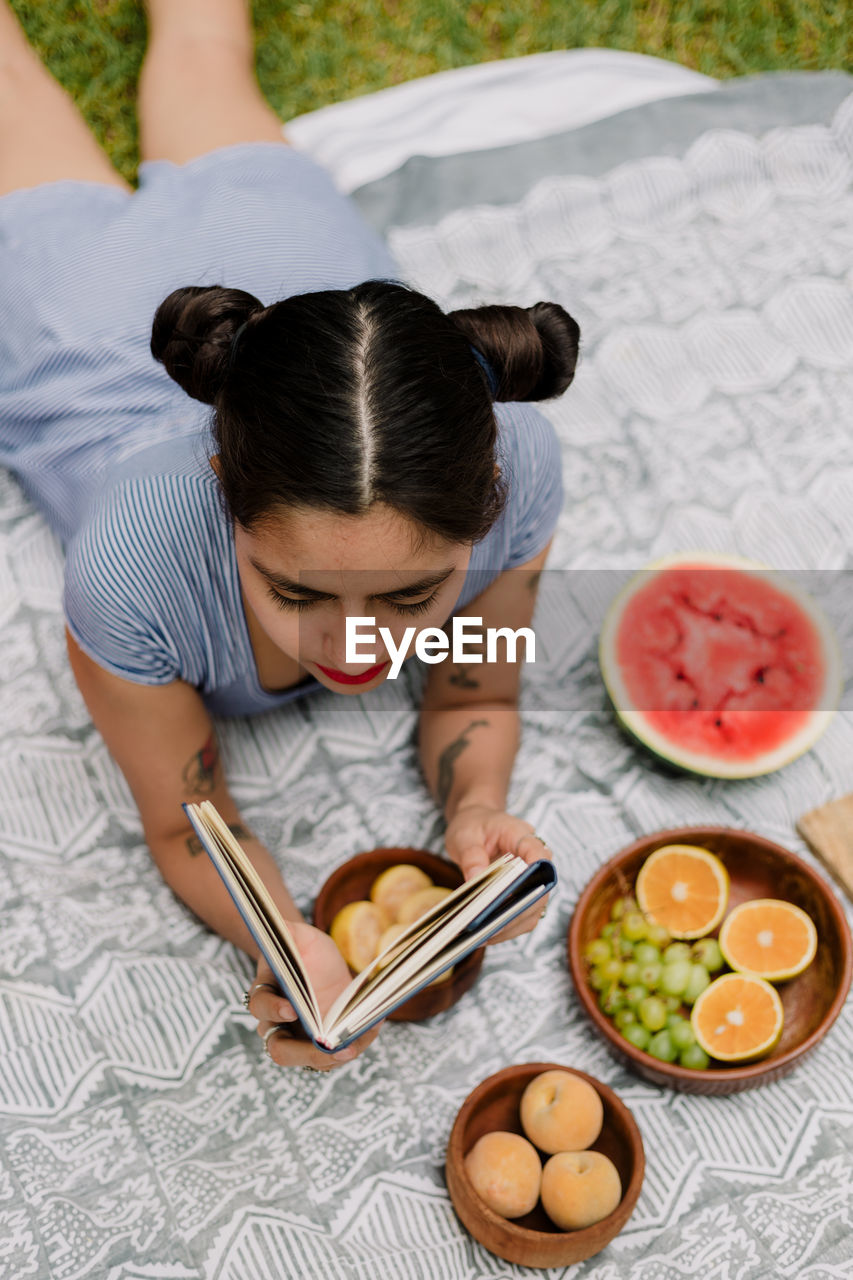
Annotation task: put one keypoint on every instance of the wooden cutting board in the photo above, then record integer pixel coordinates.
(828, 831)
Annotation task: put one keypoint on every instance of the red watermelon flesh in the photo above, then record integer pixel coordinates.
(720, 661)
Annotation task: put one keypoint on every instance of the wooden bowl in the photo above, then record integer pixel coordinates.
(758, 868)
(351, 883)
(533, 1240)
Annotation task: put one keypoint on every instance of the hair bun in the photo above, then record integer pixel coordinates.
(559, 334)
(192, 334)
(532, 350)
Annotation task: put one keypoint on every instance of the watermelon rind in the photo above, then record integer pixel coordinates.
(636, 722)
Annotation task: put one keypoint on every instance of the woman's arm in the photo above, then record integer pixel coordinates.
(162, 739)
(469, 730)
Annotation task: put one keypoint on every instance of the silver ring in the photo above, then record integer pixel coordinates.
(256, 986)
(268, 1035)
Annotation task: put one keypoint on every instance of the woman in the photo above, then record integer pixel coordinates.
(358, 466)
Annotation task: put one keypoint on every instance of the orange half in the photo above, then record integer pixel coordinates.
(685, 888)
(770, 938)
(737, 1018)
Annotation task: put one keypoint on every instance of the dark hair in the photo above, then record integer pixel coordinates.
(342, 398)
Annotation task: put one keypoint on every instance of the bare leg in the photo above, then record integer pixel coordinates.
(43, 136)
(197, 89)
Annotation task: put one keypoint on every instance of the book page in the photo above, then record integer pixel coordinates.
(258, 909)
(405, 965)
(376, 1003)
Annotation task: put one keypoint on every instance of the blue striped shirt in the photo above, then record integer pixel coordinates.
(114, 453)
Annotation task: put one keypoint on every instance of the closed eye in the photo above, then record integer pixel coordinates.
(299, 604)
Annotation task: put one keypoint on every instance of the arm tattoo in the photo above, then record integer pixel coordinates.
(195, 846)
(448, 758)
(460, 677)
(199, 774)
(462, 680)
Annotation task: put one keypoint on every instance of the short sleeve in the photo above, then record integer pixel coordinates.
(530, 456)
(116, 602)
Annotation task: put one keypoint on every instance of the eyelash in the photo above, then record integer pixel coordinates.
(417, 606)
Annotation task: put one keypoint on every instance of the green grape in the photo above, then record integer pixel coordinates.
(682, 1036)
(598, 980)
(630, 973)
(612, 970)
(634, 926)
(674, 1019)
(660, 1046)
(675, 977)
(623, 947)
(620, 906)
(650, 974)
(610, 1000)
(673, 1003)
(699, 979)
(636, 1035)
(652, 1013)
(598, 951)
(610, 930)
(676, 951)
(624, 1017)
(658, 936)
(694, 1057)
(645, 953)
(707, 953)
(635, 994)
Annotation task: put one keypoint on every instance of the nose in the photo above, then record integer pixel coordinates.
(334, 653)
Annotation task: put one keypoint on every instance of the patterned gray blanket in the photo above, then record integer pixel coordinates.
(706, 247)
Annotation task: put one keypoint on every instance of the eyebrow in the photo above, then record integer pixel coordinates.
(282, 583)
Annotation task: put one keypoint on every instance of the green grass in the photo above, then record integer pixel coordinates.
(312, 52)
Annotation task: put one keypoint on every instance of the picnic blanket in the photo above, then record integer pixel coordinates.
(704, 243)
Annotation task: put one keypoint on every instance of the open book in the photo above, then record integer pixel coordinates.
(442, 937)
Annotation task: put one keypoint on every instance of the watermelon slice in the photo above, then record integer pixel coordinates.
(720, 665)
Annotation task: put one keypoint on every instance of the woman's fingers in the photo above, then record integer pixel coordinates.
(266, 1003)
(288, 1052)
(532, 847)
(285, 1051)
(329, 976)
(473, 860)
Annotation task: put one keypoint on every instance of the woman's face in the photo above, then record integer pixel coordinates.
(305, 571)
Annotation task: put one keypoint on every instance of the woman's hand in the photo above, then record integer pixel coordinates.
(477, 834)
(329, 975)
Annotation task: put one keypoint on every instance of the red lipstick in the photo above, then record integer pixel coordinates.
(343, 678)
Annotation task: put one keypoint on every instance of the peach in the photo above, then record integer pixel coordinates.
(561, 1112)
(417, 904)
(395, 884)
(506, 1172)
(356, 930)
(579, 1188)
